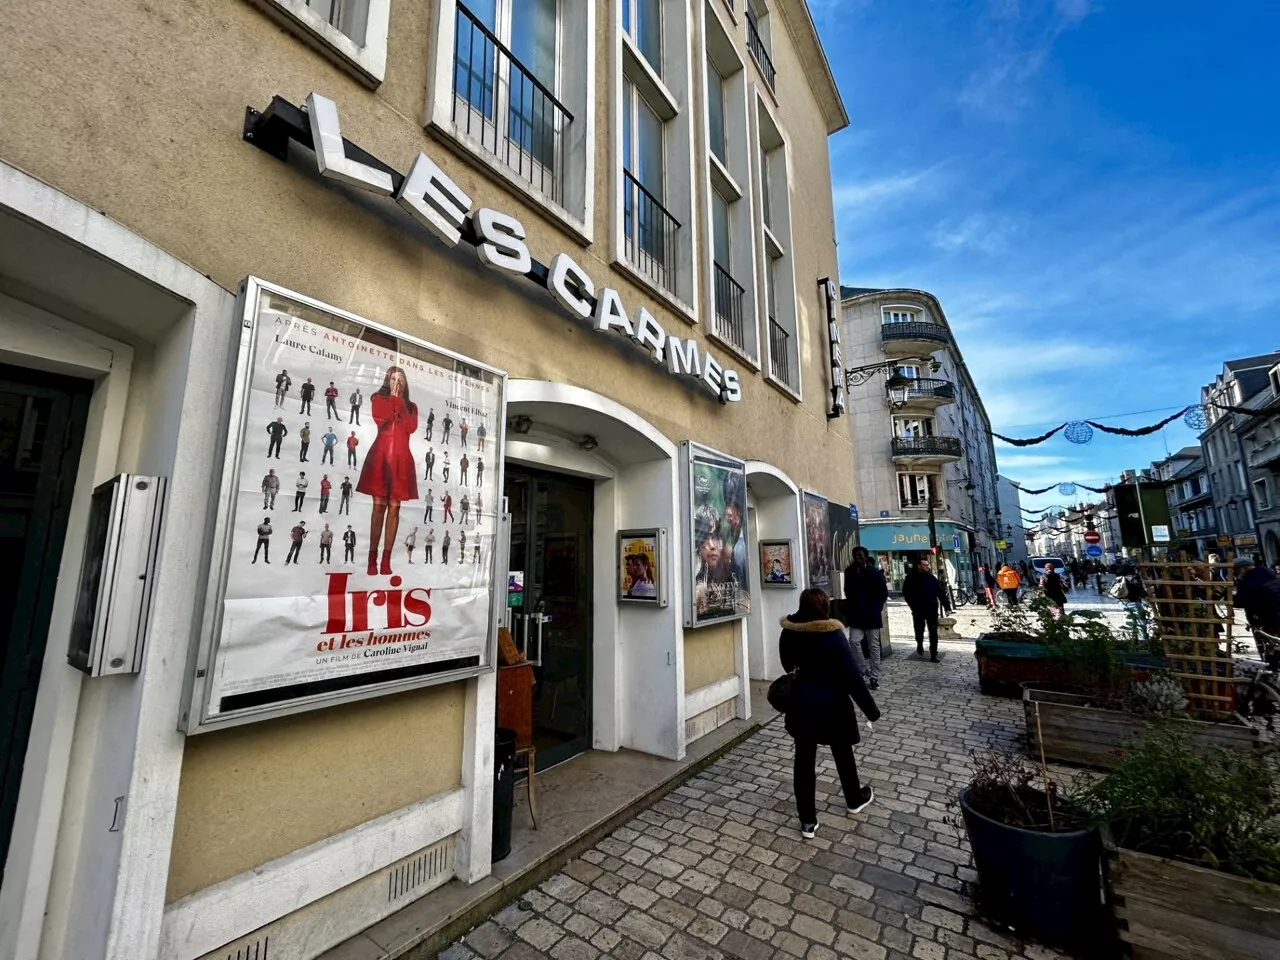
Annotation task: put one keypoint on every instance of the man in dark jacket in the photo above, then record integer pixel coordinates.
(1054, 589)
(1258, 592)
(865, 593)
(924, 595)
(825, 687)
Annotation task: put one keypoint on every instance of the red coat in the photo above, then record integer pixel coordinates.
(389, 469)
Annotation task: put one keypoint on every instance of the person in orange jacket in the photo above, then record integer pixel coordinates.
(1009, 581)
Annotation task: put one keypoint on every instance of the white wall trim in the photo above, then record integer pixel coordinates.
(759, 466)
(367, 63)
(712, 695)
(544, 391)
(208, 918)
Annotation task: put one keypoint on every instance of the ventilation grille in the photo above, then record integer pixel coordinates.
(409, 875)
(257, 950)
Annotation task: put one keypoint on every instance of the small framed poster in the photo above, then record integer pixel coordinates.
(775, 563)
(641, 578)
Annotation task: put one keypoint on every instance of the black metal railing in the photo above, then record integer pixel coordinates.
(927, 447)
(499, 104)
(729, 296)
(756, 45)
(780, 353)
(915, 330)
(924, 388)
(650, 234)
(919, 503)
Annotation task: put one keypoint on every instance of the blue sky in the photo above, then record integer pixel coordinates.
(1090, 188)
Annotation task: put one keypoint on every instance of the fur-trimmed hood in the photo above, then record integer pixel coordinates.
(813, 626)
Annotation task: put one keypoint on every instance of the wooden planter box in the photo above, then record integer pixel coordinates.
(1074, 732)
(1169, 910)
(1004, 666)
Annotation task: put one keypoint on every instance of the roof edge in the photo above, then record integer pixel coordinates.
(799, 21)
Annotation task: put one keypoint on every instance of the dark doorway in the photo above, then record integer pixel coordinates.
(42, 420)
(551, 518)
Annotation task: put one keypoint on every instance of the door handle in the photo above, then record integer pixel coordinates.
(538, 619)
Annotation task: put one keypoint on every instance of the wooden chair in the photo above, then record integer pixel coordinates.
(515, 711)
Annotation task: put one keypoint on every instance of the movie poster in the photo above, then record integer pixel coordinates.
(775, 564)
(817, 540)
(364, 515)
(638, 578)
(717, 504)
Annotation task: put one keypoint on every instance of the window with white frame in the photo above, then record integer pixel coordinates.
(730, 268)
(918, 489)
(1262, 494)
(776, 266)
(907, 370)
(912, 428)
(653, 237)
(512, 84)
(352, 33)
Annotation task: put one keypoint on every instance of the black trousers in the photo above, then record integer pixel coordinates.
(922, 620)
(1012, 594)
(348, 552)
(273, 447)
(355, 416)
(265, 546)
(331, 409)
(806, 776)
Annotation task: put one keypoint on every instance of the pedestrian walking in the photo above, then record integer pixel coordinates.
(988, 585)
(276, 432)
(1054, 590)
(307, 392)
(270, 487)
(325, 489)
(296, 536)
(447, 503)
(431, 463)
(349, 546)
(264, 540)
(1009, 581)
(428, 546)
(326, 544)
(344, 504)
(331, 402)
(357, 401)
(352, 442)
(479, 473)
(283, 383)
(1258, 594)
(444, 548)
(299, 492)
(463, 429)
(304, 439)
(431, 505)
(329, 440)
(825, 676)
(925, 596)
(463, 464)
(865, 594)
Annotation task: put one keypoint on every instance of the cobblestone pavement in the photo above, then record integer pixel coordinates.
(718, 868)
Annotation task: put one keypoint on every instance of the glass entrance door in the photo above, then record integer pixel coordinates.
(551, 517)
(42, 420)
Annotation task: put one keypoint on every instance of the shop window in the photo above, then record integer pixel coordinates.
(652, 234)
(501, 89)
(352, 33)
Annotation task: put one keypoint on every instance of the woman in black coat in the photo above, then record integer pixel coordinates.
(821, 708)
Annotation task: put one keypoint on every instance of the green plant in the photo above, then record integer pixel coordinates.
(1159, 696)
(1219, 811)
(1012, 619)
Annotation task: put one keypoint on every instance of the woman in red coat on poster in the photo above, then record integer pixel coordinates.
(389, 474)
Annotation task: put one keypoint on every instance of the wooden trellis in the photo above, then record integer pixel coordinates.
(1195, 618)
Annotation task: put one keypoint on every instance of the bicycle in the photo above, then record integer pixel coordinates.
(962, 595)
(1261, 696)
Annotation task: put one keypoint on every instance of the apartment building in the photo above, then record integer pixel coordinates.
(1259, 433)
(1012, 527)
(574, 264)
(924, 440)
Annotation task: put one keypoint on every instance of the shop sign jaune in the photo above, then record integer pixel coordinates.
(435, 201)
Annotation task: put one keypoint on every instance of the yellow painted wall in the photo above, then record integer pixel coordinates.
(708, 655)
(254, 793)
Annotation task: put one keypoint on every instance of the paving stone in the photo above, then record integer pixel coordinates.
(540, 933)
(811, 928)
(488, 939)
(790, 943)
(644, 929)
(746, 947)
(571, 948)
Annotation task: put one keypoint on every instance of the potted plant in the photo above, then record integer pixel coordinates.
(1038, 860)
(1193, 841)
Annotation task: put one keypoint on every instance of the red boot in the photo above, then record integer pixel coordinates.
(373, 563)
(386, 563)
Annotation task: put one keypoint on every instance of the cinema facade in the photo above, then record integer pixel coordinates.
(527, 312)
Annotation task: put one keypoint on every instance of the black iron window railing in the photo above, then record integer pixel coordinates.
(756, 45)
(914, 330)
(918, 503)
(650, 234)
(729, 296)
(926, 447)
(513, 116)
(924, 388)
(780, 353)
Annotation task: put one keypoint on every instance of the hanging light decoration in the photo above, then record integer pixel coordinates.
(1067, 489)
(1196, 418)
(1078, 431)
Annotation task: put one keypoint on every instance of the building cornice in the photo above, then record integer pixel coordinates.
(804, 33)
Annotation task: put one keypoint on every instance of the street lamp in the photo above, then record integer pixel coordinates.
(856, 376)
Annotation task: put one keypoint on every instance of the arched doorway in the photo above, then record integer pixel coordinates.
(773, 514)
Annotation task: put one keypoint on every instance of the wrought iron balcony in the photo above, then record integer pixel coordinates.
(780, 353)
(919, 503)
(650, 234)
(927, 391)
(914, 337)
(729, 295)
(927, 448)
(502, 107)
(756, 45)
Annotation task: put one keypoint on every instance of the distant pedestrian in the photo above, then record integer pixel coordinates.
(304, 440)
(431, 504)
(463, 464)
(462, 547)
(431, 463)
(447, 504)
(463, 429)
(329, 441)
(826, 684)
(326, 544)
(479, 473)
(925, 596)
(431, 422)
(344, 504)
(276, 432)
(444, 548)
(447, 425)
(349, 546)
(326, 487)
(429, 545)
(331, 402)
(296, 536)
(988, 585)
(464, 506)
(352, 442)
(481, 433)
(411, 543)
(299, 492)
(1052, 586)
(270, 487)
(865, 594)
(283, 383)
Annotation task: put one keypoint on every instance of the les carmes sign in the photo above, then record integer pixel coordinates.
(435, 201)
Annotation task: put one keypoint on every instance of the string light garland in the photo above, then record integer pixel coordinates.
(1081, 431)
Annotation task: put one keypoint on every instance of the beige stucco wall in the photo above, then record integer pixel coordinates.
(709, 655)
(137, 109)
(257, 792)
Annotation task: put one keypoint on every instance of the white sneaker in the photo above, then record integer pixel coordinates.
(865, 796)
(807, 830)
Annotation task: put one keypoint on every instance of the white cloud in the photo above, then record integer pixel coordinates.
(1014, 461)
(855, 198)
(978, 231)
